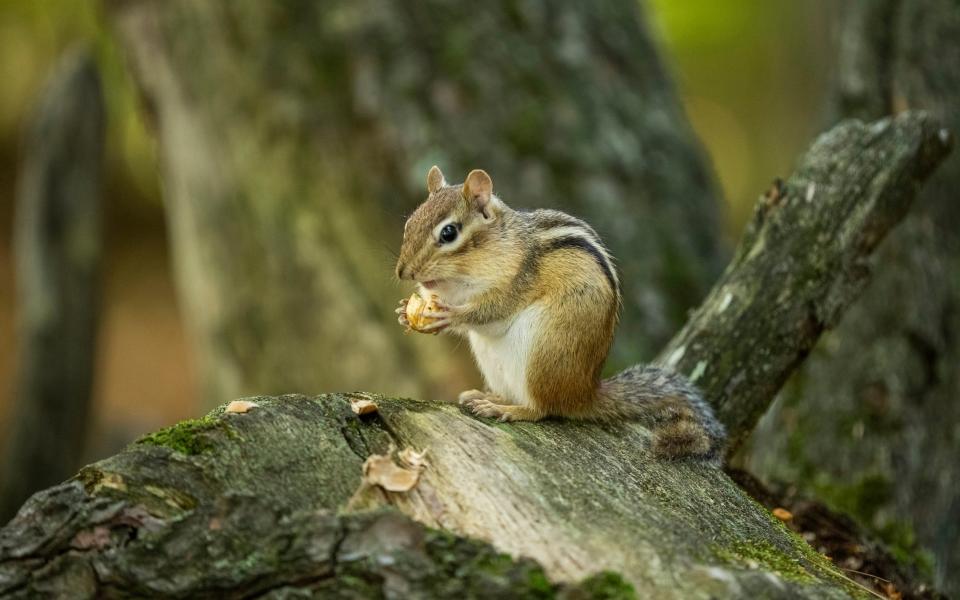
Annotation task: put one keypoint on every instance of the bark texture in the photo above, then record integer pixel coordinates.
(301, 554)
(870, 424)
(764, 315)
(228, 504)
(57, 252)
(236, 505)
(294, 139)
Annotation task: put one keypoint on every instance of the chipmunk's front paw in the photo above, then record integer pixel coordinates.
(425, 315)
(437, 317)
(402, 313)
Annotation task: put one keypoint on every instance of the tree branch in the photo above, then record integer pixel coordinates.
(213, 506)
(802, 261)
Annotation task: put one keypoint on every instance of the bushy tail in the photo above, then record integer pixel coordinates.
(682, 422)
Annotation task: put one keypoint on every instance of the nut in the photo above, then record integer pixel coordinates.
(416, 306)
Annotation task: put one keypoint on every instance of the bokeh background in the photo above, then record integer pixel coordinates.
(729, 62)
(757, 80)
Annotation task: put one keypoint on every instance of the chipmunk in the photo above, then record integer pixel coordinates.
(538, 297)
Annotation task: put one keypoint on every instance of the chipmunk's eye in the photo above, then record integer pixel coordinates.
(448, 233)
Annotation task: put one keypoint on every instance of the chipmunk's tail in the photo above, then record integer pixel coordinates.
(682, 422)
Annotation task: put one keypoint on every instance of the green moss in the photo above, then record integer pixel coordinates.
(861, 499)
(468, 565)
(538, 583)
(806, 560)
(607, 585)
(901, 540)
(352, 581)
(864, 500)
(187, 437)
(408, 404)
(756, 553)
(804, 565)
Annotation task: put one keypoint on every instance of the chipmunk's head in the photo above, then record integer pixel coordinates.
(447, 237)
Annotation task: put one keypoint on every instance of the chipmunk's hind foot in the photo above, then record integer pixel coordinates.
(485, 404)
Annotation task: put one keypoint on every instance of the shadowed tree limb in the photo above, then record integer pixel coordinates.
(58, 251)
(205, 508)
(802, 262)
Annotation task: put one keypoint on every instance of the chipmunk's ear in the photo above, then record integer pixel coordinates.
(478, 190)
(435, 179)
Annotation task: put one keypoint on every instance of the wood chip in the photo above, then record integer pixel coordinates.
(412, 459)
(891, 591)
(240, 406)
(363, 407)
(379, 469)
(782, 514)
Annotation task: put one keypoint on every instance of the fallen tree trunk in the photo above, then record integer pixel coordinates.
(238, 504)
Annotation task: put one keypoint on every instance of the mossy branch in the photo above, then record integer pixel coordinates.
(802, 261)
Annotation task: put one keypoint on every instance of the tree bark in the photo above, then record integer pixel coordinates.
(226, 505)
(294, 138)
(57, 252)
(870, 424)
(214, 507)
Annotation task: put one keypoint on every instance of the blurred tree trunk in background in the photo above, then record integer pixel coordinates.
(295, 137)
(871, 424)
(58, 249)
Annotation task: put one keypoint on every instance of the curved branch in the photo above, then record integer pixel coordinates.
(802, 261)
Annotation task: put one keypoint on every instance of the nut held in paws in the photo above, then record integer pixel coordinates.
(416, 306)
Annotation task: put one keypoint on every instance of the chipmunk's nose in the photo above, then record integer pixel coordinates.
(401, 270)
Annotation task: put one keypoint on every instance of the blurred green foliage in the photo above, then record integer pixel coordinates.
(753, 75)
(33, 34)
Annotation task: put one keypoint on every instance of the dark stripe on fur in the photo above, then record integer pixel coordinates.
(545, 221)
(579, 243)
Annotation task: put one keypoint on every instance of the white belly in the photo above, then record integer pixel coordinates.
(502, 351)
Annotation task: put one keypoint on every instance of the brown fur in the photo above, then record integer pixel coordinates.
(677, 430)
(679, 439)
(581, 314)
